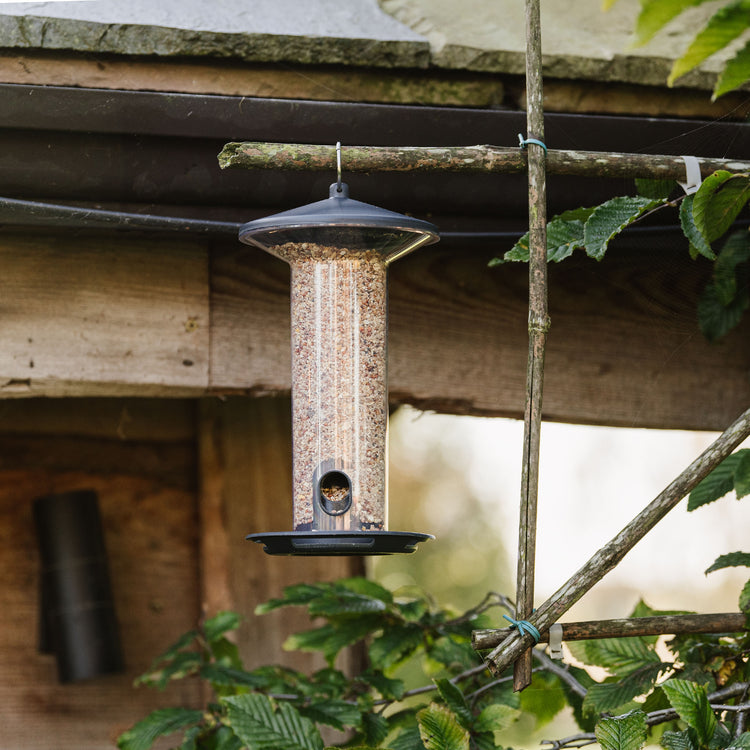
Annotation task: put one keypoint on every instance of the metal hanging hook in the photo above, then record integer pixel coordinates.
(338, 166)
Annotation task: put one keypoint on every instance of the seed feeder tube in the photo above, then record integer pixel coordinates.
(339, 250)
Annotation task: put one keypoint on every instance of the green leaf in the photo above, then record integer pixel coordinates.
(407, 739)
(715, 319)
(736, 251)
(453, 654)
(544, 698)
(740, 743)
(220, 676)
(157, 724)
(718, 202)
(609, 219)
(736, 71)
(262, 725)
(613, 694)
(330, 638)
(375, 728)
(564, 235)
(223, 738)
(697, 240)
(455, 701)
(690, 700)
(226, 653)
(220, 624)
(678, 741)
(298, 595)
(395, 644)
(366, 587)
(483, 741)
(181, 665)
(618, 655)
(440, 730)
(626, 732)
(730, 560)
(333, 713)
(745, 599)
(742, 477)
(345, 603)
(655, 14)
(496, 717)
(723, 27)
(654, 189)
(389, 688)
(719, 482)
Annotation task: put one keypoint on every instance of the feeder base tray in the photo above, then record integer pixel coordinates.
(326, 543)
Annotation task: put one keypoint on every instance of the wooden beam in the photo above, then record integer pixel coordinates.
(102, 316)
(112, 316)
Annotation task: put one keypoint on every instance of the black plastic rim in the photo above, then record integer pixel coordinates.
(329, 543)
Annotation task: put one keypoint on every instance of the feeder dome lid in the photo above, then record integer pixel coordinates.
(340, 222)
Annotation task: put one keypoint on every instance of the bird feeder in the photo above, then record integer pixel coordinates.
(339, 250)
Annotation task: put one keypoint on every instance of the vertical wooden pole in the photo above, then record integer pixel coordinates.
(538, 326)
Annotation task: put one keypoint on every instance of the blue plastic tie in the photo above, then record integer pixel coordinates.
(525, 628)
(522, 142)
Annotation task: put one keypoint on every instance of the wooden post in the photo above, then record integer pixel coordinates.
(538, 327)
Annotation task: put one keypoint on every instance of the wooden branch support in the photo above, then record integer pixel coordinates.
(538, 327)
(477, 159)
(626, 627)
(610, 555)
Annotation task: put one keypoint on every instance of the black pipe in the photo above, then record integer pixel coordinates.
(77, 618)
(17, 212)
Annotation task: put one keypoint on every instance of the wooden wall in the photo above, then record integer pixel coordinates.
(120, 315)
(180, 484)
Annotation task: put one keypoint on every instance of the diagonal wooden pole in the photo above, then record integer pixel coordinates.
(610, 555)
(538, 327)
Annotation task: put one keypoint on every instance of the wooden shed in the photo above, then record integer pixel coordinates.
(145, 353)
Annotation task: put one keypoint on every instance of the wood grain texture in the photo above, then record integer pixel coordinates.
(106, 311)
(255, 454)
(150, 533)
(122, 318)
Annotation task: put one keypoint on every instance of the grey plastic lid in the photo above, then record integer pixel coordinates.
(339, 221)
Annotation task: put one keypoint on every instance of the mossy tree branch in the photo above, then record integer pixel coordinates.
(474, 159)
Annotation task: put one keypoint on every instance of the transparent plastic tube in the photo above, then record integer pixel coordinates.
(339, 396)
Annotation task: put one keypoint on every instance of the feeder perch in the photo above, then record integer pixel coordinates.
(339, 250)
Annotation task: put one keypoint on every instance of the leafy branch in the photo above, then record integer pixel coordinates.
(280, 708)
(726, 26)
(705, 219)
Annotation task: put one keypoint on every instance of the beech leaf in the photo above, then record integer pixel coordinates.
(723, 27)
(262, 725)
(626, 732)
(719, 482)
(719, 200)
(656, 14)
(690, 700)
(440, 730)
(735, 73)
(697, 241)
(609, 219)
(157, 724)
(730, 560)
